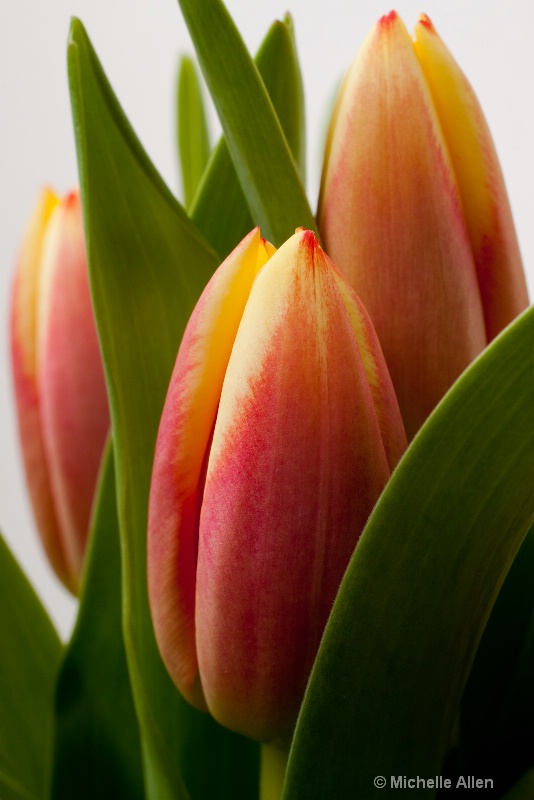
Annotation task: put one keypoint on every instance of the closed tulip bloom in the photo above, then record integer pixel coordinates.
(59, 382)
(279, 432)
(414, 211)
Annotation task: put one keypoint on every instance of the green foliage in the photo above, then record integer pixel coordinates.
(97, 748)
(412, 607)
(220, 208)
(267, 171)
(192, 127)
(148, 265)
(31, 653)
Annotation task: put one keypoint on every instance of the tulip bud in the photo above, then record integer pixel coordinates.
(414, 211)
(279, 432)
(59, 382)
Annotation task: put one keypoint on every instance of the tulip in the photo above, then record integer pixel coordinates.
(279, 431)
(59, 383)
(414, 211)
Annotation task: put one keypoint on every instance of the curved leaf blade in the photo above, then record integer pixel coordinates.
(417, 594)
(268, 172)
(30, 654)
(220, 210)
(148, 265)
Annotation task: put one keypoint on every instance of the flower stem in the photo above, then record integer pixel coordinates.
(273, 771)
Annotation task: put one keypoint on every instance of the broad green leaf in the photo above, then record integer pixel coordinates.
(220, 209)
(268, 172)
(148, 265)
(192, 126)
(30, 653)
(385, 691)
(97, 750)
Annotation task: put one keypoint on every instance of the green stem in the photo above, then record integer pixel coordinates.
(273, 771)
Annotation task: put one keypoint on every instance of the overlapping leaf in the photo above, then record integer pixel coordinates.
(268, 172)
(97, 747)
(148, 266)
(413, 604)
(29, 663)
(193, 137)
(220, 209)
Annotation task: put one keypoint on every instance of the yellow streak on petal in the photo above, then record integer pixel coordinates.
(213, 337)
(26, 296)
(261, 316)
(479, 178)
(73, 405)
(460, 118)
(382, 391)
(62, 244)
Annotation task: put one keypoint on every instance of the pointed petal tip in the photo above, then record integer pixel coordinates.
(389, 31)
(72, 199)
(308, 241)
(425, 21)
(388, 20)
(308, 237)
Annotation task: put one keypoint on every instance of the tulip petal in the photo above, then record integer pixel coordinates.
(24, 314)
(480, 181)
(391, 219)
(295, 467)
(74, 408)
(384, 398)
(183, 437)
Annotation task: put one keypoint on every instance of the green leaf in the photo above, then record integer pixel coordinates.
(97, 751)
(278, 64)
(385, 691)
(30, 653)
(192, 126)
(268, 172)
(220, 209)
(148, 265)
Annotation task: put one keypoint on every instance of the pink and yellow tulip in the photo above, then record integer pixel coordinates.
(414, 211)
(279, 432)
(59, 382)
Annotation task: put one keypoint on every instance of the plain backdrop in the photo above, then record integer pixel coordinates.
(139, 42)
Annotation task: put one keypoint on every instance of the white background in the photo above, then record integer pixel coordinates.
(138, 42)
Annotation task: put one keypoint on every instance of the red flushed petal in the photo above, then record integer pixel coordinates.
(73, 400)
(185, 429)
(296, 465)
(392, 221)
(24, 314)
(484, 199)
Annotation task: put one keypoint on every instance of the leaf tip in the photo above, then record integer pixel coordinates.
(77, 33)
